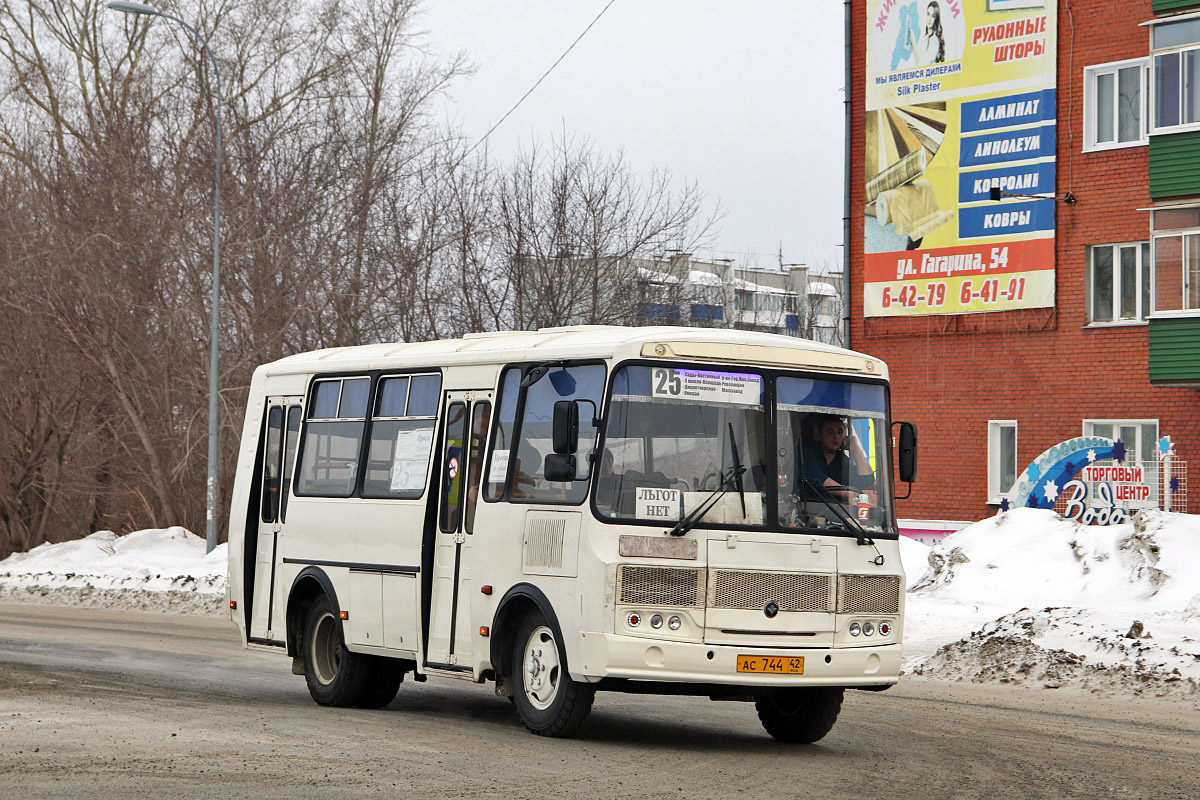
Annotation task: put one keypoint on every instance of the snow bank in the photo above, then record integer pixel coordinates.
(1023, 597)
(1028, 596)
(157, 569)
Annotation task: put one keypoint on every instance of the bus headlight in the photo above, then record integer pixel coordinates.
(674, 623)
(855, 630)
(656, 621)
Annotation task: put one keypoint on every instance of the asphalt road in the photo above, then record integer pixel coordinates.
(103, 704)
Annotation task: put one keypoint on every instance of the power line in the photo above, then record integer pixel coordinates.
(539, 80)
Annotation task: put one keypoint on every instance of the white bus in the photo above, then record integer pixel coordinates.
(651, 510)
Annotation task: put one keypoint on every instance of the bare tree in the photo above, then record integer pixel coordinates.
(573, 223)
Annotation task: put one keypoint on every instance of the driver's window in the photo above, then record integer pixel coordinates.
(527, 479)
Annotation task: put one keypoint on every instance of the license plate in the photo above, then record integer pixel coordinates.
(772, 665)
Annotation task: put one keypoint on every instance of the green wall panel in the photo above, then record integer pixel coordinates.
(1171, 5)
(1175, 164)
(1175, 351)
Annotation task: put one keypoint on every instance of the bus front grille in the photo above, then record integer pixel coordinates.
(869, 594)
(660, 586)
(791, 591)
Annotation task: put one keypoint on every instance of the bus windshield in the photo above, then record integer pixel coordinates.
(674, 436)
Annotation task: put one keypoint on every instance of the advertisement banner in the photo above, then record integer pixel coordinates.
(960, 99)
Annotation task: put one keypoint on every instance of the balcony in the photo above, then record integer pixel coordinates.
(1175, 351)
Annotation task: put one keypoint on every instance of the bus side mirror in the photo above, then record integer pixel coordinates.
(908, 452)
(560, 467)
(565, 429)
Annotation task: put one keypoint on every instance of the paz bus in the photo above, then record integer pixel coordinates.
(573, 510)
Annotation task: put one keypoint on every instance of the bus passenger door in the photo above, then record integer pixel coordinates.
(468, 416)
(281, 429)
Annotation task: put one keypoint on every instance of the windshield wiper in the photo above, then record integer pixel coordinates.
(847, 519)
(739, 469)
(733, 476)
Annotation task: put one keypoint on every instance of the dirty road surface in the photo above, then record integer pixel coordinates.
(104, 704)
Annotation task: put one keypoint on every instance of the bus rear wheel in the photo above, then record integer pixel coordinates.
(383, 682)
(335, 676)
(547, 700)
(800, 715)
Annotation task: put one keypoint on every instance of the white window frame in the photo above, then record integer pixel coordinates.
(1152, 95)
(1155, 235)
(1090, 76)
(995, 491)
(1145, 273)
(1088, 429)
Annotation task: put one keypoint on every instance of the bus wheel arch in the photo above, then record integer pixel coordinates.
(518, 603)
(531, 665)
(310, 584)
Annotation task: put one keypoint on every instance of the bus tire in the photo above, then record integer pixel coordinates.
(547, 700)
(382, 682)
(335, 676)
(799, 715)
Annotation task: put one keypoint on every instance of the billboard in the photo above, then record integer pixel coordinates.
(960, 98)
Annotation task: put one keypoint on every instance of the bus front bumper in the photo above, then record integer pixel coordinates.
(607, 655)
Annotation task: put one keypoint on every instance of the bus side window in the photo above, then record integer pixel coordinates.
(401, 437)
(291, 438)
(333, 437)
(578, 382)
(271, 453)
(454, 461)
(502, 436)
(481, 415)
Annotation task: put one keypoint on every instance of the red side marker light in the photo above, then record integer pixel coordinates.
(233, 605)
(343, 615)
(484, 630)
(485, 589)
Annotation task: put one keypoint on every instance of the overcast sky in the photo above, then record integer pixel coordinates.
(745, 97)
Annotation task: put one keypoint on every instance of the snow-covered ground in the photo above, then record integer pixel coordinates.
(154, 570)
(1023, 597)
(1029, 597)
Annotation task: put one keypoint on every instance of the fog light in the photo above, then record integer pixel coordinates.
(674, 623)
(868, 629)
(634, 619)
(854, 629)
(656, 621)
(885, 628)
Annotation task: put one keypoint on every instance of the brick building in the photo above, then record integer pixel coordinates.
(1112, 347)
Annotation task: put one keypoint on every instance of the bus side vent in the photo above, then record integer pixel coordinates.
(869, 594)
(791, 591)
(660, 586)
(544, 541)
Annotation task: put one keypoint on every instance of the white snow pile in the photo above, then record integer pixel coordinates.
(1031, 598)
(158, 569)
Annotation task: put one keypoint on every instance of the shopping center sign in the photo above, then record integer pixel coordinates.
(960, 99)
(1087, 476)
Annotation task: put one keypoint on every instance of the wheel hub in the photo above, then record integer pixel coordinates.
(541, 668)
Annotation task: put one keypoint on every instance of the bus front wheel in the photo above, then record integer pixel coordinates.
(547, 700)
(335, 676)
(799, 716)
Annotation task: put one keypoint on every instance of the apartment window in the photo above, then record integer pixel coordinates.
(1119, 283)
(1002, 458)
(1176, 65)
(1140, 437)
(1176, 259)
(1113, 102)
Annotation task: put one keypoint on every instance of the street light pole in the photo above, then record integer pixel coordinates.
(210, 530)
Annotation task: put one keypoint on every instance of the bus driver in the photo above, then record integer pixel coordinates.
(827, 463)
